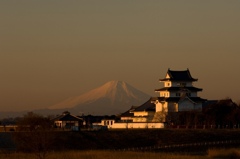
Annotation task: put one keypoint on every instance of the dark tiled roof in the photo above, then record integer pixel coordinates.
(178, 89)
(128, 113)
(197, 99)
(179, 76)
(67, 117)
(209, 102)
(147, 106)
(177, 99)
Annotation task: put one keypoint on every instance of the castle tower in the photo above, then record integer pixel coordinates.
(178, 93)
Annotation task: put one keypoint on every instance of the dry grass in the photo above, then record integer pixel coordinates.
(100, 155)
(213, 153)
(224, 153)
(125, 155)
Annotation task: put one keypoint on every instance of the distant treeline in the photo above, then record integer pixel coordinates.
(220, 114)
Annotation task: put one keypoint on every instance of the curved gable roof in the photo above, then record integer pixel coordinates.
(179, 76)
(178, 89)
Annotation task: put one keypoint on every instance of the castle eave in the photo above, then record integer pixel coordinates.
(178, 89)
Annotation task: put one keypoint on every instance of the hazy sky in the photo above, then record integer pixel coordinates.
(52, 50)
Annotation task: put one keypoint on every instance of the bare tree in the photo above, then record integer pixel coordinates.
(34, 135)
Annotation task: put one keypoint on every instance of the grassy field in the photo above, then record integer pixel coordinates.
(213, 153)
(122, 139)
(111, 144)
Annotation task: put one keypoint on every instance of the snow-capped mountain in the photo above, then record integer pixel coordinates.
(111, 98)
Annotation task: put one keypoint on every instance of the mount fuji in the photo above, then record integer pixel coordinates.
(113, 97)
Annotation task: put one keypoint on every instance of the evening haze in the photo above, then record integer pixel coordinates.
(52, 50)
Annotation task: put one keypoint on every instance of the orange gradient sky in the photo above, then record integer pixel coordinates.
(52, 50)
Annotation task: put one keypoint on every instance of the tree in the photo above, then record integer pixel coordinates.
(34, 135)
(223, 113)
(160, 116)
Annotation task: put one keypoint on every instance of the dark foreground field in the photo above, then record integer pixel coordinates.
(101, 154)
(165, 140)
(140, 139)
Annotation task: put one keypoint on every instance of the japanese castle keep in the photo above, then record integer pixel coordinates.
(178, 93)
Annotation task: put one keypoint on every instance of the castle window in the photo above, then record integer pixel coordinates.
(189, 94)
(182, 84)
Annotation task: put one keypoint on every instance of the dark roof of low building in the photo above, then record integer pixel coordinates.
(220, 107)
(179, 76)
(178, 89)
(67, 117)
(128, 113)
(228, 102)
(147, 106)
(209, 102)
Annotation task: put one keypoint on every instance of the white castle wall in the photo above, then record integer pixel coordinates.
(136, 126)
(110, 124)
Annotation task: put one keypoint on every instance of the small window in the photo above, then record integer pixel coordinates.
(177, 94)
(182, 84)
(189, 94)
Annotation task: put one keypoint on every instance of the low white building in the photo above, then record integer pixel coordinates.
(111, 124)
(138, 117)
(68, 121)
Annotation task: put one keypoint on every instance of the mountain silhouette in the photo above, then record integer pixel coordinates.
(111, 98)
